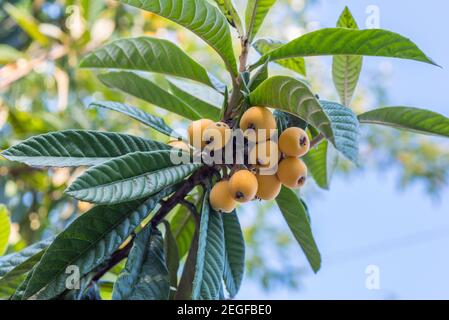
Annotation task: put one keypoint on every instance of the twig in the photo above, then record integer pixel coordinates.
(315, 141)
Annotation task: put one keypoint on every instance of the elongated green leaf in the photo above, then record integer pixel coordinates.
(135, 113)
(317, 164)
(293, 96)
(200, 17)
(342, 41)
(256, 10)
(346, 69)
(228, 9)
(146, 90)
(183, 228)
(296, 216)
(145, 276)
(86, 243)
(410, 119)
(72, 148)
(259, 76)
(171, 256)
(210, 255)
(186, 93)
(147, 54)
(5, 228)
(26, 22)
(234, 253)
(133, 176)
(345, 128)
(265, 45)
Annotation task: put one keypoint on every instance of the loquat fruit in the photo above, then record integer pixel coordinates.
(217, 135)
(220, 197)
(257, 118)
(196, 130)
(268, 186)
(292, 172)
(243, 186)
(294, 142)
(265, 154)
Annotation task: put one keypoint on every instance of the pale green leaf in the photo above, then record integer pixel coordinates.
(77, 148)
(200, 17)
(256, 10)
(9, 54)
(408, 118)
(145, 276)
(133, 176)
(87, 243)
(146, 90)
(227, 7)
(295, 215)
(5, 228)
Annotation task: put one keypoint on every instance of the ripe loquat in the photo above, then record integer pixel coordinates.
(265, 154)
(220, 197)
(257, 118)
(196, 130)
(292, 172)
(294, 142)
(243, 186)
(268, 187)
(217, 135)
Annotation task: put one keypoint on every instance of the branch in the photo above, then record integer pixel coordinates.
(317, 140)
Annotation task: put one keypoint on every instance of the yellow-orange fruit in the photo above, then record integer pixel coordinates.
(196, 130)
(178, 144)
(217, 135)
(243, 186)
(294, 142)
(268, 186)
(292, 172)
(220, 197)
(257, 118)
(265, 154)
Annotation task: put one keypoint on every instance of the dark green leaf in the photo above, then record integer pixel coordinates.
(200, 17)
(183, 228)
(265, 45)
(343, 41)
(171, 255)
(147, 54)
(410, 119)
(77, 148)
(210, 255)
(87, 243)
(146, 90)
(346, 69)
(260, 76)
(234, 253)
(133, 176)
(137, 114)
(296, 217)
(145, 276)
(286, 120)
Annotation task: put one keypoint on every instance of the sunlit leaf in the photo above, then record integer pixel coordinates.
(256, 10)
(5, 228)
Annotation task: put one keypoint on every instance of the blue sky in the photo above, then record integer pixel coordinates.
(367, 220)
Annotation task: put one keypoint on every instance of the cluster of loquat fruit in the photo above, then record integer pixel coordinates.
(250, 183)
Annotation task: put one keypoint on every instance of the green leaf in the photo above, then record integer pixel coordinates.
(317, 164)
(133, 176)
(296, 217)
(408, 118)
(286, 120)
(27, 23)
(228, 9)
(87, 243)
(292, 96)
(187, 93)
(5, 228)
(147, 54)
(146, 90)
(259, 76)
(210, 255)
(234, 253)
(145, 276)
(200, 17)
(256, 10)
(9, 54)
(72, 148)
(265, 45)
(171, 255)
(346, 69)
(183, 228)
(345, 128)
(154, 122)
(342, 41)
